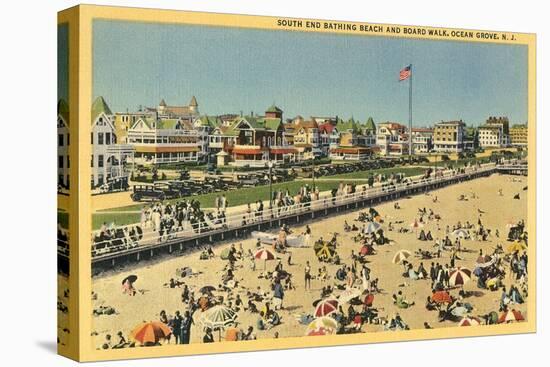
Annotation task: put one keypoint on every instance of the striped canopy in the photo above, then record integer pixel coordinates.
(218, 317)
(264, 254)
(401, 256)
(460, 276)
(326, 307)
(510, 316)
(322, 326)
(469, 321)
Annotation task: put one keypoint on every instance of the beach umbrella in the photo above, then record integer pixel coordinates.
(460, 276)
(372, 227)
(218, 317)
(150, 332)
(461, 233)
(485, 261)
(130, 278)
(401, 256)
(366, 250)
(265, 255)
(326, 307)
(324, 249)
(322, 326)
(510, 316)
(349, 294)
(441, 297)
(469, 321)
(207, 289)
(516, 247)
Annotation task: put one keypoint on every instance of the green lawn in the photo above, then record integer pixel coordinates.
(408, 171)
(130, 214)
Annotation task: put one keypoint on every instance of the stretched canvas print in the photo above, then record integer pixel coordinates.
(238, 183)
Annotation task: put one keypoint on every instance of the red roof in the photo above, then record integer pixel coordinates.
(328, 127)
(247, 151)
(283, 150)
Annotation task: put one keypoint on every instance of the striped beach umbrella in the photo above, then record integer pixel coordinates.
(460, 276)
(485, 261)
(461, 233)
(322, 326)
(510, 316)
(372, 227)
(218, 317)
(401, 256)
(416, 224)
(264, 254)
(469, 321)
(326, 307)
(516, 247)
(150, 332)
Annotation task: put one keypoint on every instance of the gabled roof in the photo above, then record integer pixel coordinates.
(98, 107)
(193, 102)
(274, 109)
(162, 103)
(349, 125)
(63, 110)
(327, 127)
(209, 121)
(369, 125)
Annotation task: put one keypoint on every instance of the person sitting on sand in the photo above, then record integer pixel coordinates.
(400, 301)
(431, 305)
(397, 323)
(121, 341)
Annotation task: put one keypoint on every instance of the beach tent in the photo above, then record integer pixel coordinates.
(325, 307)
(469, 321)
(460, 276)
(225, 253)
(150, 332)
(401, 256)
(322, 326)
(510, 316)
(441, 297)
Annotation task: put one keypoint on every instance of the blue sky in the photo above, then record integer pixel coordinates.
(231, 70)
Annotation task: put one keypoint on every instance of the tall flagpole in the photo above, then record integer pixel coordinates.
(410, 113)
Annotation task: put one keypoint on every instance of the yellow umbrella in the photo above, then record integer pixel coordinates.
(516, 247)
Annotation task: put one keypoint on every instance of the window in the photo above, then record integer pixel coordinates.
(60, 161)
(60, 140)
(100, 160)
(92, 138)
(68, 139)
(92, 164)
(107, 138)
(100, 138)
(68, 162)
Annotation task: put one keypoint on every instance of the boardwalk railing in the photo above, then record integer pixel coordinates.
(242, 219)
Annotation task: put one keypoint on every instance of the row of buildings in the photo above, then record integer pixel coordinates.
(168, 134)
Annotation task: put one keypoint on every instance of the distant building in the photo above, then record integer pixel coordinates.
(186, 112)
(449, 137)
(504, 125)
(351, 145)
(306, 139)
(392, 138)
(108, 159)
(422, 138)
(519, 135)
(491, 136)
(259, 140)
(165, 140)
(63, 142)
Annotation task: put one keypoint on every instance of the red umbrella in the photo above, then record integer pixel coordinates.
(264, 254)
(369, 300)
(510, 316)
(441, 297)
(366, 250)
(150, 332)
(326, 307)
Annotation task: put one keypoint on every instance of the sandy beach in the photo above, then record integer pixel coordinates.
(497, 211)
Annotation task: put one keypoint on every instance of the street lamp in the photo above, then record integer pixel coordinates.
(270, 166)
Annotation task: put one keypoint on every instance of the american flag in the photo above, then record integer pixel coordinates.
(405, 73)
